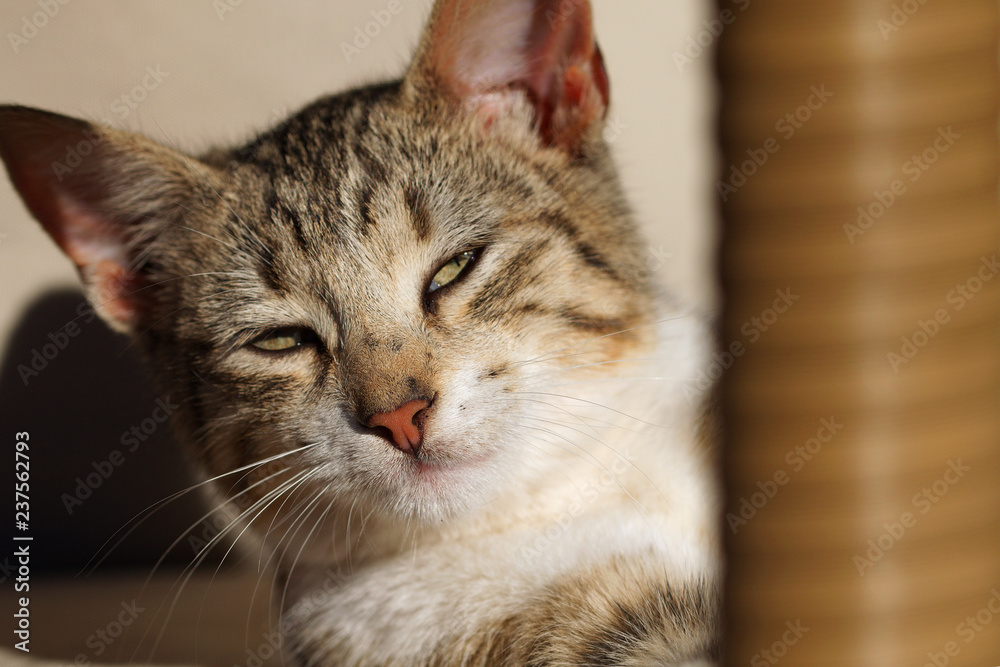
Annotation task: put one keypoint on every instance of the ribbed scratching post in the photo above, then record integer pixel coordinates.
(862, 331)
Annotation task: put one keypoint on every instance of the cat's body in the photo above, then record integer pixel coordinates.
(415, 320)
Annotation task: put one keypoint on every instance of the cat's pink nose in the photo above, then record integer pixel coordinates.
(405, 423)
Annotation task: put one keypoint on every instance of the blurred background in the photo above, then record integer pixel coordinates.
(197, 74)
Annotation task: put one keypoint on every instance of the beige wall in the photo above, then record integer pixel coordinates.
(222, 74)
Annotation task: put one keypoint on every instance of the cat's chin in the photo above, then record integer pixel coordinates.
(436, 488)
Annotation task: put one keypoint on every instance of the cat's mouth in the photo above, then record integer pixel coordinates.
(430, 465)
(444, 463)
(442, 482)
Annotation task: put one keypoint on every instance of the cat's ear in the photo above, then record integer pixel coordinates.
(478, 51)
(102, 195)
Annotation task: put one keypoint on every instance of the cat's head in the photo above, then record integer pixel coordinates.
(378, 292)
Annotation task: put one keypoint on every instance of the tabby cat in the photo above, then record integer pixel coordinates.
(416, 347)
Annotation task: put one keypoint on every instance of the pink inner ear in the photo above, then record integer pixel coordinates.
(87, 238)
(98, 248)
(63, 202)
(96, 245)
(478, 48)
(564, 40)
(116, 293)
(93, 207)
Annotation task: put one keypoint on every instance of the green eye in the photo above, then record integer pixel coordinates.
(284, 340)
(451, 270)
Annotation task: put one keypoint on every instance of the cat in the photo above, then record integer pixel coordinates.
(415, 348)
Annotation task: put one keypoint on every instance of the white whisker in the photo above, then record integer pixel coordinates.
(155, 507)
(190, 569)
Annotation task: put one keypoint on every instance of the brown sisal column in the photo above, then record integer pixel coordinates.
(862, 331)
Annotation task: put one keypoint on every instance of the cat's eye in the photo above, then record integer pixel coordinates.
(285, 339)
(452, 269)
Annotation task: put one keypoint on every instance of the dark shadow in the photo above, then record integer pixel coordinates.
(79, 398)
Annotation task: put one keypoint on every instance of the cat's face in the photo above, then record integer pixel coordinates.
(337, 247)
(380, 293)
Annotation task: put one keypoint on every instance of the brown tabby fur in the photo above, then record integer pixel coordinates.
(336, 220)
